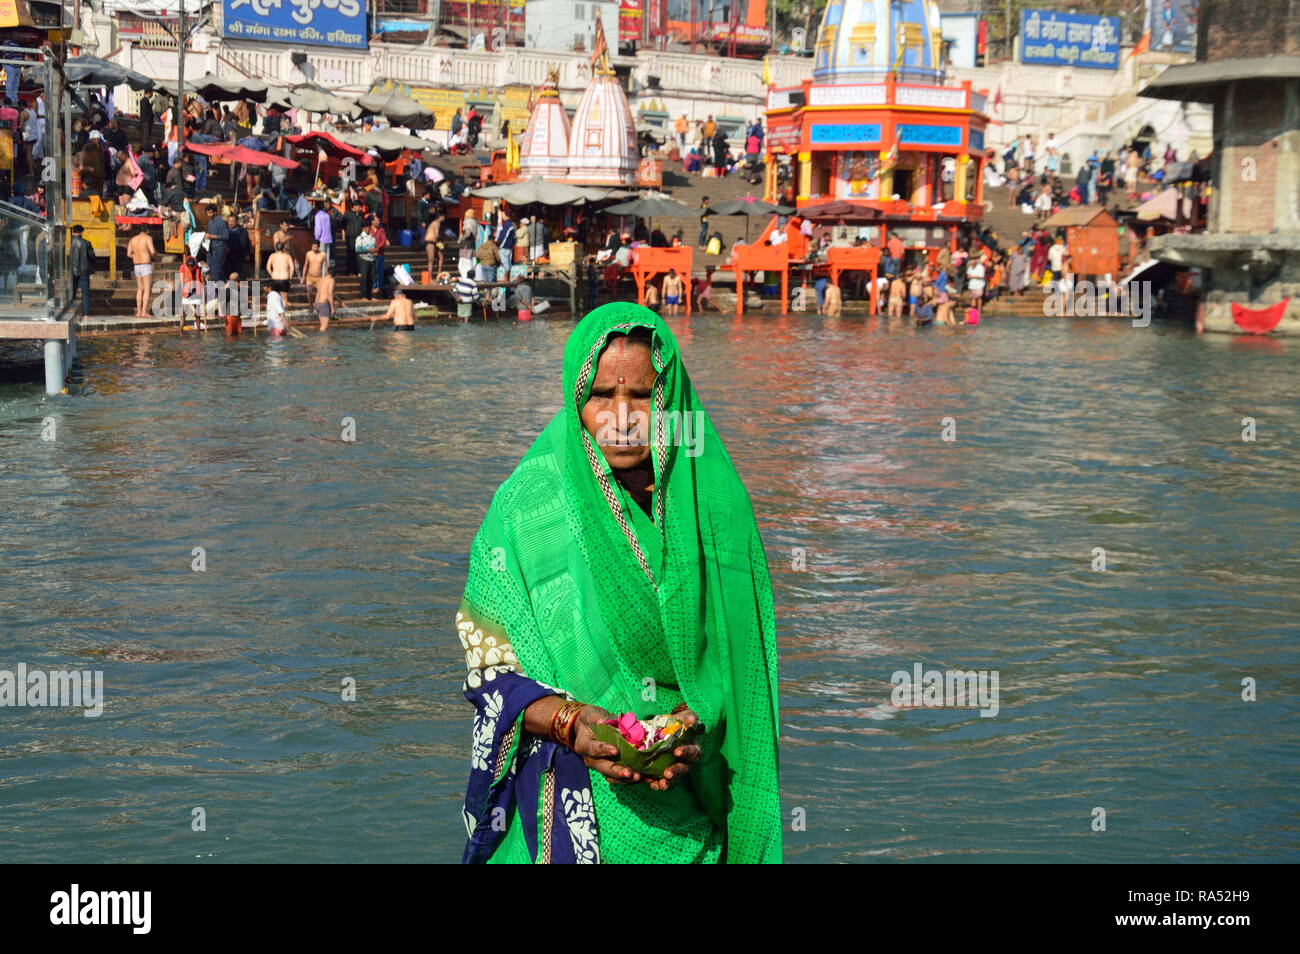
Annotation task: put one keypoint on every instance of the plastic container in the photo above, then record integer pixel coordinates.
(405, 238)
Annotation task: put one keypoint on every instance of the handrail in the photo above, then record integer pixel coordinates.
(27, 215)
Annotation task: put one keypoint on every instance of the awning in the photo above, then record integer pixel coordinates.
(750, 206)
(317, 99)
(651, 207)
(537, 189)
(397, 107)
(839, 209)
(95, 71)
(255, 157)
(331, 146)
(216, 88)
(1164, 206)
(1199, 82)
(387, 141)
(250, 157)
(1153, 270)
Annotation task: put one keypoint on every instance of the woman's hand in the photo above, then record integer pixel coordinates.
(599, 755)
(686, 754)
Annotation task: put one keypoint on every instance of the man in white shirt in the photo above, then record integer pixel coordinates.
(1056, 259)
(975, 281)
(275, 320)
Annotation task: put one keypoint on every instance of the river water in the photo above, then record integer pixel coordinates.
(329, 560)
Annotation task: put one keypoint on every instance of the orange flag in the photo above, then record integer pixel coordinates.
(1143, 45)
(598, 46)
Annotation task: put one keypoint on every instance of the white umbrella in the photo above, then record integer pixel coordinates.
(315, 99)
(93, 71)
(397, 107)
(537, 189)
(385, 140)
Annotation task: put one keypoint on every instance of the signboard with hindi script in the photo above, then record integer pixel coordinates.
(340, 23)
(1048, 38)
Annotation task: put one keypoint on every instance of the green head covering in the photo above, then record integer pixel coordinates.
(630, 612)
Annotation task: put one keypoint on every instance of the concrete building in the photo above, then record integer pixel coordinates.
(1248, 69)
(569, 24)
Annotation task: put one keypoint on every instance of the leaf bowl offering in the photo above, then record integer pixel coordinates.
(645, 745)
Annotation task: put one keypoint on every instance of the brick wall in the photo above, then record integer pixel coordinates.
(1230, 29)
(1252, 202)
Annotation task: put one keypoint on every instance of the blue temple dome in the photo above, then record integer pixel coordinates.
(862, 40)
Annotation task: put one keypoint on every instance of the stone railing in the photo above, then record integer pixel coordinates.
(680, 75)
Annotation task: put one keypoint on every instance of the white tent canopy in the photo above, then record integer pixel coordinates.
(537, 189)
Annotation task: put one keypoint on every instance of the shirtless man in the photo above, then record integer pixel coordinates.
(280, 266)
(325, 302)
(897, 296)
(281, 236)
(312, 269)
(401, 312)
(141, 252)
(673, 290)
(915, 287)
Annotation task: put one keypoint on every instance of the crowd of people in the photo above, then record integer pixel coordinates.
(704, 148)
(348, 217)
(1037, 185)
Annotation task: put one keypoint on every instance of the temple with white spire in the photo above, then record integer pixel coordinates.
(599, 146)
(544, 146)
(878, 126)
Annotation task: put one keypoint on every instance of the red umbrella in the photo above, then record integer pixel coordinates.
(839, 209)
(252, 157)
(214, 149)
(332, 146)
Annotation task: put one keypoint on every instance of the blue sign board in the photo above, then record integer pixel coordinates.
(318, 22)
(1048, 38)
(844, 134)
(977, 140)
(925, 135)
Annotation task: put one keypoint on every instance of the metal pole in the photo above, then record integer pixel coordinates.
(1006, 33)
(181, 38)
(58, 187)
(55, 366)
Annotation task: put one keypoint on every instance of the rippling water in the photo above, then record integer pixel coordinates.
(328, 560)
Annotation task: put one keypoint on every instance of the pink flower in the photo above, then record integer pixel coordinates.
(631, 728)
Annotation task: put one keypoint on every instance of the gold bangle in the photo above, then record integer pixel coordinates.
(563, 721)
(570, 727)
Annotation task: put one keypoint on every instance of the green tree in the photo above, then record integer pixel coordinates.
(787, 15)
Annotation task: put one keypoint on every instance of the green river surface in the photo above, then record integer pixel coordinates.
(889, 546)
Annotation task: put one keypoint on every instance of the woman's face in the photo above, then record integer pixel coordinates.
(617, 415)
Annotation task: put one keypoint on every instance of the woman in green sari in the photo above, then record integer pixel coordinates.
(620, 569)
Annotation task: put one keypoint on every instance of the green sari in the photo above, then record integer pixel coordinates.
(574, 590)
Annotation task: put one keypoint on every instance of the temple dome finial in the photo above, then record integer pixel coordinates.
(864, 40)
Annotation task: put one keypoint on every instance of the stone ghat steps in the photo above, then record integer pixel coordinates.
(119, 294)
(690, 189)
